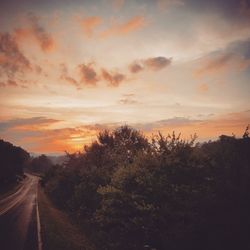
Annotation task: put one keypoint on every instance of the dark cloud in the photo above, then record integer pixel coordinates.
(12, 60)
(152, 63)
(157, 63)
(44, 39)
(89, 24)
(88, 74)
(113, 78)
(135, 67)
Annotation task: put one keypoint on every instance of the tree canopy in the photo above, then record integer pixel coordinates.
(12, 161)
(166, 193)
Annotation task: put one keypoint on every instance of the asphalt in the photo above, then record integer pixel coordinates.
(18, 217)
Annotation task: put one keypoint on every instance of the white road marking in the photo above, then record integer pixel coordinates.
(10, 201)
(39, 237)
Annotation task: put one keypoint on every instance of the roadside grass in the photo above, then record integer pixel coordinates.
(58, 232)
(11, 188)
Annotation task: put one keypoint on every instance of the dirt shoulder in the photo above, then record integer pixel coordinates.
(58, 232)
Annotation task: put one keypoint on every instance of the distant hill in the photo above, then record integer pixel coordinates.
(57, 160)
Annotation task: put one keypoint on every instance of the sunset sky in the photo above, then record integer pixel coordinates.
(69, 69)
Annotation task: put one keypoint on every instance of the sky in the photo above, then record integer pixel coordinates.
(69, 69)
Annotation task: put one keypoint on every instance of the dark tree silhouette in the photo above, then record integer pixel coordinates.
(167, 193)
(40, 164)
(12, 162)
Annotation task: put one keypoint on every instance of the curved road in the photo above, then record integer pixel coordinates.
(18, 217)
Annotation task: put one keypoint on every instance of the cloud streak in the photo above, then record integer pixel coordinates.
(157, 63)
(221, 63)
(214, 65)
(119, 29)
(89, 24)
(151, 63)
(128, 99)
(26, 123)
(9, 83)
(37, 135)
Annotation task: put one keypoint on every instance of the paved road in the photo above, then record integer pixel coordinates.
(18, 218)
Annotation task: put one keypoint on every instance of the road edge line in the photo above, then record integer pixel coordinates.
(40, 244)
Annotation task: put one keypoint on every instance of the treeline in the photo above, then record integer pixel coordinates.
(129, 192)
(12, 162)
(39, 165)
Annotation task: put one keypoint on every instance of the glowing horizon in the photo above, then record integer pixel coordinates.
(69, 70)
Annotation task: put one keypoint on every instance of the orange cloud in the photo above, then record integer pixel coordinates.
(214, 65)
(61, 140)
(9, 83)
(43, 38)
(202, 88)
(131, 25)
(27, 123)
(22, 33)
(37, 33)
(88, 25)
(12, 60)
(135, 67)
(37, 134)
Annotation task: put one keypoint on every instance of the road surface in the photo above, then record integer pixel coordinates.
(18, 217)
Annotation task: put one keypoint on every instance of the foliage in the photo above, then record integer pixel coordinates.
(40, 164)
(166, 193)
(12, 162)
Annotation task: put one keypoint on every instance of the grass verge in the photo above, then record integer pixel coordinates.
(10, 188)
(58, 232)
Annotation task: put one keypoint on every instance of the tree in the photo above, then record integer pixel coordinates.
(40, 164)
(12, 162)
